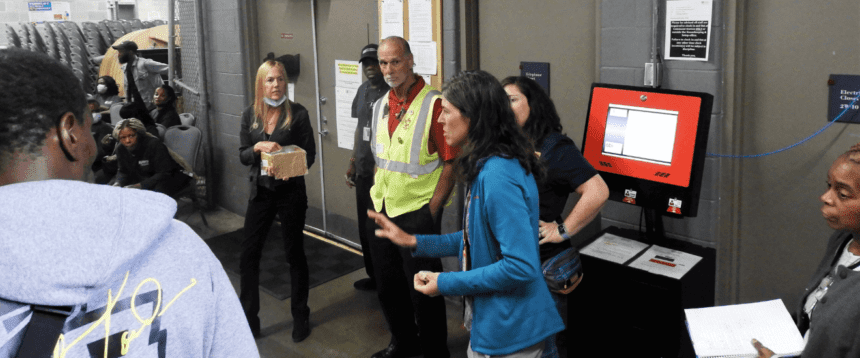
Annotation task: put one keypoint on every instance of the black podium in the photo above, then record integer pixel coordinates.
(619, 310)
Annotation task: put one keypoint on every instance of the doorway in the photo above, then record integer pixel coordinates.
(342, 28)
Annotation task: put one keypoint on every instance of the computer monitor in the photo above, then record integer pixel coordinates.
(649, 145)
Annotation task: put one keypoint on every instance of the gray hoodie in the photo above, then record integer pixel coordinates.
(168, 295)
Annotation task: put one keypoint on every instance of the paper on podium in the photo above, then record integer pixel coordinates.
(726, 331)
(667, 262)
(614, 248)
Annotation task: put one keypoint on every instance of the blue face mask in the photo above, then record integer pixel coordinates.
(275, 103)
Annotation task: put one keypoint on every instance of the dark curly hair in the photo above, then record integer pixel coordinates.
(112, 88)
(543, 118)
(171, 95)
(493, 130)
(35, 92)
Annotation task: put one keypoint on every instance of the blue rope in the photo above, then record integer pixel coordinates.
(793, 145)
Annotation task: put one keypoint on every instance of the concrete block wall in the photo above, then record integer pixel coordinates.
(152, 10)
(625, 47)
(13, 12)
(227, 100)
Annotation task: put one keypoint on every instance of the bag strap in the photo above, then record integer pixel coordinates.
(46, 324)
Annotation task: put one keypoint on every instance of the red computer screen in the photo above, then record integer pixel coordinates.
(646, 135)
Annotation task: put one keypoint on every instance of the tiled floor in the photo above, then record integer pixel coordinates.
(345, 322)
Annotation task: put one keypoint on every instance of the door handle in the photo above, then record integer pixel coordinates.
(323, 100)
(323, 132)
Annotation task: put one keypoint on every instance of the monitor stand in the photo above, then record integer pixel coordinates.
(654, 232)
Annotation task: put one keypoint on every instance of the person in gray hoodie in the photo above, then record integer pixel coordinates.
(135, 282)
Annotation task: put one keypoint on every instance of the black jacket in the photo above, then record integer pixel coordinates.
(148, 164)
(836, 319)
(99, 131)
(299, 133)
(168, 117)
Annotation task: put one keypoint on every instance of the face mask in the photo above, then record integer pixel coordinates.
(97, 117)
(101, 88)
(275, 103)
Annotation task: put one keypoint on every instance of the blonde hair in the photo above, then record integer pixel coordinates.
(133, 124)
(136, 125)
(261, 109)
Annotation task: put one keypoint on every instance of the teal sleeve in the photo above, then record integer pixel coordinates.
(506, 213)
(438, 245)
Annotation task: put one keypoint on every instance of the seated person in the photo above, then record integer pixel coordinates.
(830, 330)
(165, 111)
(108, 91)
(100, 112)
(94, 106)
(144, 162)
(108, 166)
(137, 111)
(99, 129)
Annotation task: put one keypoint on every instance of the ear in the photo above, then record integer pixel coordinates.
(68, 123)
(71, 133)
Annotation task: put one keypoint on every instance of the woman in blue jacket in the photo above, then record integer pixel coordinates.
(508, 306)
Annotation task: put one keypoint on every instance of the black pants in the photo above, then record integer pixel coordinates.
(172, 184)
(362, 203)
(409, 313)
(291, 202)
(169, 185)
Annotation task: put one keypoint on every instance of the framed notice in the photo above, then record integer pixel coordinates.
(843, 91)
(538, 71)
(688, 30)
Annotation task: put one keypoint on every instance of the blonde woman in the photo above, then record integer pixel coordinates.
(270, 123)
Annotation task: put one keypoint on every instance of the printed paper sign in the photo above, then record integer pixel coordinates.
(688, 30)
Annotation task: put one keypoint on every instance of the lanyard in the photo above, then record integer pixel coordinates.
(465, 264)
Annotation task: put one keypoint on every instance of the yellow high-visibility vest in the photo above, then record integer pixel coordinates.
(406, 174)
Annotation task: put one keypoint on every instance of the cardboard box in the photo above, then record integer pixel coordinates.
(290, 161)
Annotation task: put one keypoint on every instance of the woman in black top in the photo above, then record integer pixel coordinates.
(165, 101)
(144, 162)
(567, 172)
(271, 123)
(108, 92)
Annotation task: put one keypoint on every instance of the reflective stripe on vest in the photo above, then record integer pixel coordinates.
(414, 167)
(399, 189)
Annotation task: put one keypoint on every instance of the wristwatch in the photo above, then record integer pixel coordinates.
(562, 231)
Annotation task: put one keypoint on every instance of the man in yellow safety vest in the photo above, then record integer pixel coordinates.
(414, 177)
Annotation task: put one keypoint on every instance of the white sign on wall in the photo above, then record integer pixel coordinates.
(688, 30)
(347, 80)
(41, 11)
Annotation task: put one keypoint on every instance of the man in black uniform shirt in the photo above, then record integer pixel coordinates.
(361, 165)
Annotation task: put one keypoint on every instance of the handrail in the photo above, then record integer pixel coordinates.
(185, 86)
